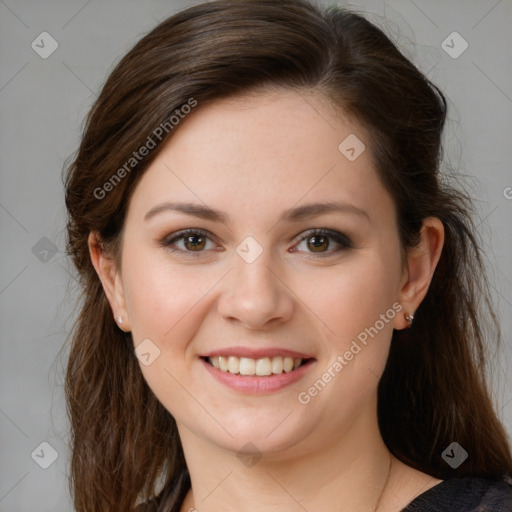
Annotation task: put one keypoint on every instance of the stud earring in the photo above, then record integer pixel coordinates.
(409, 317)
(120, 319)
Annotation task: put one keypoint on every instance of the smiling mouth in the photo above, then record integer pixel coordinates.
(261, 367)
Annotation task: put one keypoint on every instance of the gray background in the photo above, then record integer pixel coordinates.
(42, 105)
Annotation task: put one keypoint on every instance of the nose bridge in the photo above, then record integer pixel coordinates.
(254, 294)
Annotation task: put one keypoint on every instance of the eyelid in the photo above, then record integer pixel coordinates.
(338, 237)
(168, 241)
(187, 231)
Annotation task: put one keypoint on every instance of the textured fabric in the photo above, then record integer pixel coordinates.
(455, 495)
(464, 495)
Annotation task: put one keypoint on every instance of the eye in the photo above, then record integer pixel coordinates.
(320, 241)
(192, 241)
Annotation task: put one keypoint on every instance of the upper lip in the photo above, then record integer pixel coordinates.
(257, 353)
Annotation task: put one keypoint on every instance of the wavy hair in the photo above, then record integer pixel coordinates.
(124, 443)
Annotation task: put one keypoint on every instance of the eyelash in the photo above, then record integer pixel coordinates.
(339, 238)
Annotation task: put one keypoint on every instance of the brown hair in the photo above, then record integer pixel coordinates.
(433, 390)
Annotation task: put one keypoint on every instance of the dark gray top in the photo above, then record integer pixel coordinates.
(469, 494)
(464, 495)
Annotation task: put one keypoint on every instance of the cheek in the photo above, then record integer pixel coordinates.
(166, 306)
(161, 296)
(351, 297)
(357, 325)
(354, 304)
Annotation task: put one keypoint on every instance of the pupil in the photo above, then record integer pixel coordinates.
(318, 242)
(195, 241)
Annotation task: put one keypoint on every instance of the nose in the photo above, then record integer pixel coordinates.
(255, 294)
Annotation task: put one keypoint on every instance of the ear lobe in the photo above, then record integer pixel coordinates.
(421, 264)
(108, 273)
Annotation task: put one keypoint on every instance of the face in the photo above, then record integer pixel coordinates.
(262, 273)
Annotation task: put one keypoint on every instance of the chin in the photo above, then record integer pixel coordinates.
(264, 435)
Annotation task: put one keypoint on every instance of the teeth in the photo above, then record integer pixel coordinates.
(223, 363)
(261, 367)
(277, 364)
(288, 364)
(247, 366)
(233, 364)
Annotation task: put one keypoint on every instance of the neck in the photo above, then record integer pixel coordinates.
(346, 473)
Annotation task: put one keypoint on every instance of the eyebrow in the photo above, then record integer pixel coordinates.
(290, 215)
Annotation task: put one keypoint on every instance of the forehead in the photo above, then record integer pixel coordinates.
(269, 127)
(269, 150)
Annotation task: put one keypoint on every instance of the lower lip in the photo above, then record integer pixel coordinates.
(258, 385)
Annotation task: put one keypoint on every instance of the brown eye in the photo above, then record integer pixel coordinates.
(318, 243)
(194, 242)
(189, 242)
(323, 242)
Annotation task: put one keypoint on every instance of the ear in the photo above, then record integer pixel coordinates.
(419, 270)
(110, 277)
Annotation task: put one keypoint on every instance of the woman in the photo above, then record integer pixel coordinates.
(281, 292)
